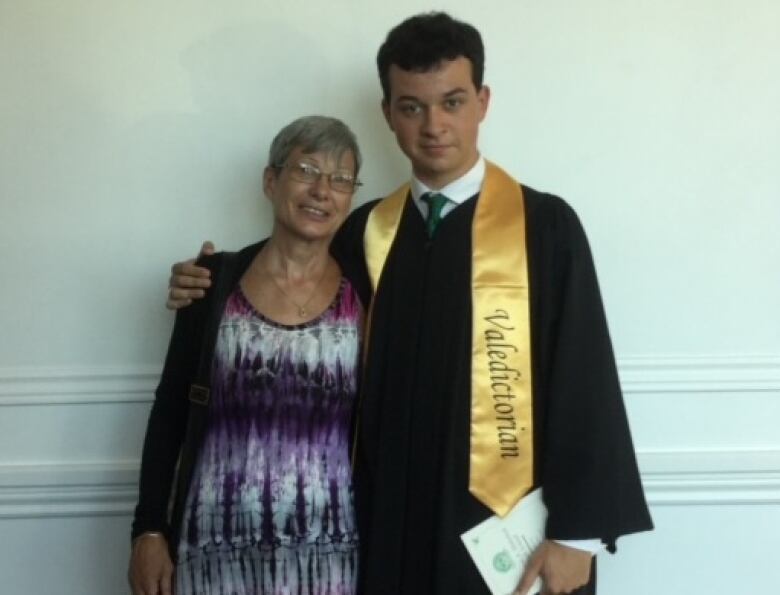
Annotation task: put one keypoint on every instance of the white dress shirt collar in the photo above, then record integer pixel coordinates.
(458, 191)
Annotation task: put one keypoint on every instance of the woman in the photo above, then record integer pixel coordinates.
(256, 399)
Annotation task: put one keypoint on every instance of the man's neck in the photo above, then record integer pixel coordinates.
(457, 190)
(437, 182)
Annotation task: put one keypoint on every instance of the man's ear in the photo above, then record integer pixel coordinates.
(483, 97)
(386, 112)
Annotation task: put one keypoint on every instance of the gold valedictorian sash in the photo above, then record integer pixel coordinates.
(501, 459)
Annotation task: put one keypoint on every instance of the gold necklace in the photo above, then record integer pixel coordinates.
(302, 311)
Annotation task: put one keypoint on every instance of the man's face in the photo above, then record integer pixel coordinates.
(435, 116)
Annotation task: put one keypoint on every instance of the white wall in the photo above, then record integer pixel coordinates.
(130, 131)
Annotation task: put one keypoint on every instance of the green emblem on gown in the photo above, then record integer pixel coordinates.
(502, 561)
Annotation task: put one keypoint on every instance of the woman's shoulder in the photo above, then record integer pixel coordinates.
(216, 262)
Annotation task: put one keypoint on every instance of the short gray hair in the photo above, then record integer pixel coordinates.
(314, 134)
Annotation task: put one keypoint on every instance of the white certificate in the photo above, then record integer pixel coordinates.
(500, 547)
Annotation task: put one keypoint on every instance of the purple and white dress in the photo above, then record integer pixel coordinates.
(270, 506)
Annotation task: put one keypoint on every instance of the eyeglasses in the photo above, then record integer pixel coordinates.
(311, 174)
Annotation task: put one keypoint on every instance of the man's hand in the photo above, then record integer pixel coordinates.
(151, 569)
(188, 281)
(563, 569)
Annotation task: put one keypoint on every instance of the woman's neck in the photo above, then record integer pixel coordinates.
(293, 258)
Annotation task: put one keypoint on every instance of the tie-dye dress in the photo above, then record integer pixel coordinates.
(270, 506)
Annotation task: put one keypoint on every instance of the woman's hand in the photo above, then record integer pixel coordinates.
(151, 569)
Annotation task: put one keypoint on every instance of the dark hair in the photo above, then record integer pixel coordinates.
(421, 42)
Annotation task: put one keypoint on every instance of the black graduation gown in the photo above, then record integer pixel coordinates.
(412, 448)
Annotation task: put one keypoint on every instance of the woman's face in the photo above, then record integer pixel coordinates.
(305, 204)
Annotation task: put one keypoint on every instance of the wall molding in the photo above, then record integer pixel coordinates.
(670, 477)
(639, 375)
(77, 385)
(726, 476)
(68, 490)
(699, 373)
(737, 476)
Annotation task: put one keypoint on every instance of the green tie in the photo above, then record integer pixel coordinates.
(435, 202)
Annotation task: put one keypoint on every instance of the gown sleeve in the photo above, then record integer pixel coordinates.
(591, 481)
(347, 249)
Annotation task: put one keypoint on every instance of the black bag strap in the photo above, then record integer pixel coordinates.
(200, 390)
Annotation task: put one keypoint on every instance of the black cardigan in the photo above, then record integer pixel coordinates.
(178, 417)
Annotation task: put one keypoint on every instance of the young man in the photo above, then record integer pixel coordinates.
(489, 369)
